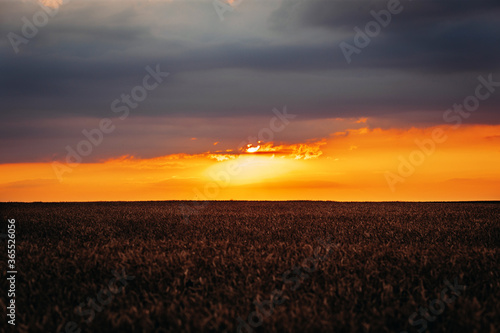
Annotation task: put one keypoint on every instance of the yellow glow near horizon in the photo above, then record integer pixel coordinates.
(250, 169)
(463, 167)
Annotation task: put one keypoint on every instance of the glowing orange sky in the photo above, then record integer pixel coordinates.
(348, 166)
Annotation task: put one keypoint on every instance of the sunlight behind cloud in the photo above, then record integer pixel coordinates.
(297, 151)
(251, 149)
(249, 169)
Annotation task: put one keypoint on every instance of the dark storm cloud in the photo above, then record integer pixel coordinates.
(433, 36)
(344, 13)
(264, 55)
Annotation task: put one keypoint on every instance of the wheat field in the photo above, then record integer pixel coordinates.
(237, 266)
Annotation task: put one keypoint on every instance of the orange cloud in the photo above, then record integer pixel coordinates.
(463, 166)
(297, 151)
(51, 3)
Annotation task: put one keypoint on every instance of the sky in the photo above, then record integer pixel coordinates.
(340, 100)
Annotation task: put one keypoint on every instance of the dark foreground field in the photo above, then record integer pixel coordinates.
(278, 266)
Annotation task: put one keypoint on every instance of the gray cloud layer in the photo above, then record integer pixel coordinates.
(264, 55)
